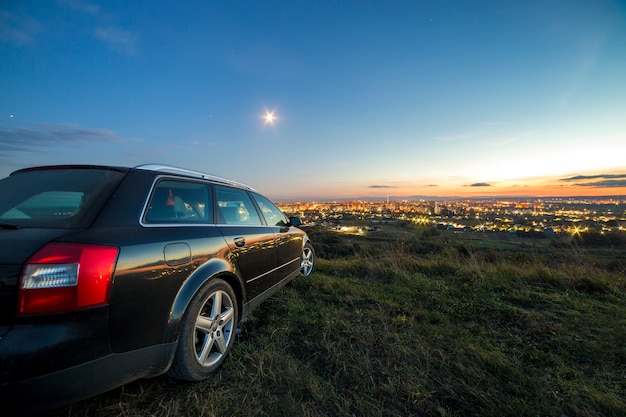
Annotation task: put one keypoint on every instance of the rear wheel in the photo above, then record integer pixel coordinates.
(308, 260)
(207, 332)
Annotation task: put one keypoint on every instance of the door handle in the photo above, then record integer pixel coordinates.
(240, 241)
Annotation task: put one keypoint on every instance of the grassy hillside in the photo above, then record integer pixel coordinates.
(395, 325)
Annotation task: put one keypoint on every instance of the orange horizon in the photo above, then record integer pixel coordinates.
(330, 193)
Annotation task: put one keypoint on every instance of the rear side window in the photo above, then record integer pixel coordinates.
(175, 201)
(236, 207)
(59, 198)
(48, 204)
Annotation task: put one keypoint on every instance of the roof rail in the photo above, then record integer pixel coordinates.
(190, 173)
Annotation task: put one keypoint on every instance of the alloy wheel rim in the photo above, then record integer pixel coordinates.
(214, 328)
(307, 262)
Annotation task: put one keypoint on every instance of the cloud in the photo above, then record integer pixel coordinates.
(606, 180)
(594, 177)
(19, 30)
(81, 6)
(118, 39)
(603, 184)
(479, 184)
(589, 51)
(106, 31)
(381, 186)
(43, 136)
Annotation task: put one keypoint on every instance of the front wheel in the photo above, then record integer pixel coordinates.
(207, 332)
(308, 260)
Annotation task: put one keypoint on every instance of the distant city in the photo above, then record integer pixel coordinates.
(540, 216)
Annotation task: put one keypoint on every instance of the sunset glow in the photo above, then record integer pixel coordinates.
(424, 101)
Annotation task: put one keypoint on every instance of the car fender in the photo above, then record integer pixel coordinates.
(213, 268)
(305, 240)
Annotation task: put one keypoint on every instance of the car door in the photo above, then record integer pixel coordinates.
(288, 239)
(252, 244)
(176, 235)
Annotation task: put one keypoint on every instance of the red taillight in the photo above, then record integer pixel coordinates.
(66, 276)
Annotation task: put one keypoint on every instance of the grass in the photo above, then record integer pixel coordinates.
(418, 328)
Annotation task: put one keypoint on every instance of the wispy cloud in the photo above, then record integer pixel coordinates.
(106, 30)
(81, 6)
(603, 184)
(479, 184)
(458, 137)
(488, 133)
(605, 180)
(511, 139)
(594, 177)
(381, 186)
(589, 54)
(117, 38)
(42, 137)
(19, 30)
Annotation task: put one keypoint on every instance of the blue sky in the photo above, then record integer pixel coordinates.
(371, 98)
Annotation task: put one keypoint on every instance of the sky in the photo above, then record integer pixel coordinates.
(406, 99)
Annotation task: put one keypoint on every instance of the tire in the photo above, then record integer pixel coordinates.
(308, 260)
(207, 332)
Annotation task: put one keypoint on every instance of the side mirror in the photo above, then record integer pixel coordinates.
(295, 221)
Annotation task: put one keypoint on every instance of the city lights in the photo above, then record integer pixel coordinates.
(533, 218)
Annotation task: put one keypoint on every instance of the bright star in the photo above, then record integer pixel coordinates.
(270, 117)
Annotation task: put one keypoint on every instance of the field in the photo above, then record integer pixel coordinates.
(408, 323)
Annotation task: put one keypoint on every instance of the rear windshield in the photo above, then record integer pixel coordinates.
(56, 198)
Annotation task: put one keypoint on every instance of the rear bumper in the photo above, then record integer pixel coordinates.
(51, 361)
(57, 389)
(39, 345)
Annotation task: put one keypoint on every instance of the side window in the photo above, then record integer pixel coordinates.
(236, 207)
(273, 215)
(176, 201)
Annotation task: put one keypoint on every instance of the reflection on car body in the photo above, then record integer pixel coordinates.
(110, 274)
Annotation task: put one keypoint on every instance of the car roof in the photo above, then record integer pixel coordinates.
(193, 174)
(162, 168)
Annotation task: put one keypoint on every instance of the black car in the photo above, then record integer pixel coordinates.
(111, 274)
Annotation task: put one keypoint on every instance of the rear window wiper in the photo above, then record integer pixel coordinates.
(8, 226)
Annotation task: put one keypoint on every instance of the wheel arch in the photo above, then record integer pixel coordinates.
(216, 268)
